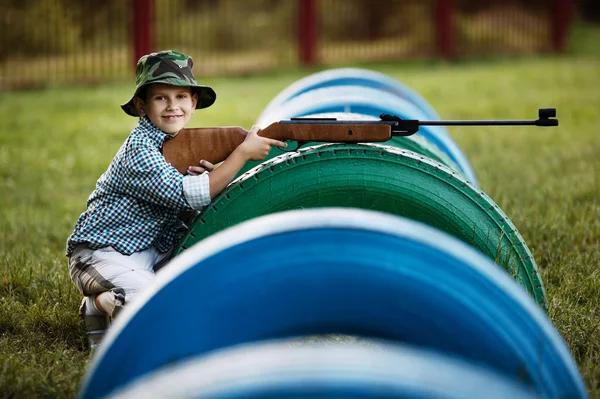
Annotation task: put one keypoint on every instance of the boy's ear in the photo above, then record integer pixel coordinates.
(140, 106)
(194, 101)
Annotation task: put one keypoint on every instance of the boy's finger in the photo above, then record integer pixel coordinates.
(196, 169)
(276, 143)
(207, 165)
(255, 129)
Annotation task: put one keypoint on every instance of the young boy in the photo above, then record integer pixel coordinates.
(131, 223)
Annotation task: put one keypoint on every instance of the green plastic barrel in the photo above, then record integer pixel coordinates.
(381, 178)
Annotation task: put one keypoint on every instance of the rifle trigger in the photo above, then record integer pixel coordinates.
(298, 145)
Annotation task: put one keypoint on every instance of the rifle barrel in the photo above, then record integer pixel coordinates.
(478, 123)
(538, 122)
(330, 121)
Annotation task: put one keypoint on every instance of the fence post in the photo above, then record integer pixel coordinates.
(143, 27)
(443, 25)
(307, 31)
(562, 17)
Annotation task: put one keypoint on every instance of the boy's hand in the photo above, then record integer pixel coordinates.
(256, 148)
(205, 166)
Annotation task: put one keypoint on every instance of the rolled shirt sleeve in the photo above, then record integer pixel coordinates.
(196, 190)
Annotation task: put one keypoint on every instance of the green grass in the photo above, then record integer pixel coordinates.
(55, 143)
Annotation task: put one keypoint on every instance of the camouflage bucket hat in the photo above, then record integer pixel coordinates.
(169, 67)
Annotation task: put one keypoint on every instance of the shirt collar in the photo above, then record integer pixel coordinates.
(146, 126)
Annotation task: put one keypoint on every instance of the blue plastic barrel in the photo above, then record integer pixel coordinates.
(332, 270)
(352, 77)
(349, 370)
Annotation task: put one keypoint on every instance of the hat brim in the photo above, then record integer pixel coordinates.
(206, 96)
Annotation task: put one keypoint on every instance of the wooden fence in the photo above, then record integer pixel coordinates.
(82, 41)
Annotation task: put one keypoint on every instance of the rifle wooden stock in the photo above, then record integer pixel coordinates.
(214, 144)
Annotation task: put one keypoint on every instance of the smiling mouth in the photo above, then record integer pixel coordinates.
(172, 117)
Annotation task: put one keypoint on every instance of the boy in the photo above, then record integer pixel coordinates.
(131, 223)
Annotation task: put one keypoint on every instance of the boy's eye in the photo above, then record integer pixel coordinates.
(183, 95)
(159, 97)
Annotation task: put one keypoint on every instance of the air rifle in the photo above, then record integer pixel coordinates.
(214, 144)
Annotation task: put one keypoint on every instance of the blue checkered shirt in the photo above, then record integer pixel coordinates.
(137, 201)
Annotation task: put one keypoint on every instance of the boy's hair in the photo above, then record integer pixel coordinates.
(142, 94)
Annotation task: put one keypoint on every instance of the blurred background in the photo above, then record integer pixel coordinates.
(48, 42)
(66, 65)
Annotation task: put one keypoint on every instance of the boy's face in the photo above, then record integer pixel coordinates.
(168, 107)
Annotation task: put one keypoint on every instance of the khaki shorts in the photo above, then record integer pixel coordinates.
(98, 270)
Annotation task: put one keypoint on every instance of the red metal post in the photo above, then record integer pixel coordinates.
(443, 26)
(307, 31)
(143, 28)
(562, 17)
